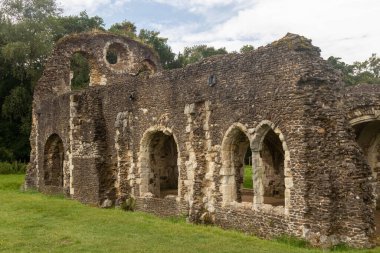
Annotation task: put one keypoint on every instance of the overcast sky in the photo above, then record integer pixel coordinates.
(349, 29)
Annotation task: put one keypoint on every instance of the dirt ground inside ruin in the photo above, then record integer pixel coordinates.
(274, 201)
(246, 197)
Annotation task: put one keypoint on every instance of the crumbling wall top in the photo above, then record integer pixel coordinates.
(131, 58)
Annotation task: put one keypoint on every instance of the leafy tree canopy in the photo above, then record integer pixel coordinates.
(196, 53)
(76, 24)
(246, 49)
(28, 31)
(125, 28)
(151, 38)
(367, 71)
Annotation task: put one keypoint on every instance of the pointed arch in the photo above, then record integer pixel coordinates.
(235, 143)
(272, 179)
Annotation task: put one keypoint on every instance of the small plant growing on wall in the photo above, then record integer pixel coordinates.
(207, 218)
(129, 204)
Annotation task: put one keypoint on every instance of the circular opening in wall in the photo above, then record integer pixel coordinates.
(111, 57)
(116, 56)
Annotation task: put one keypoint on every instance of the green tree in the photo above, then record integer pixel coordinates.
(28, 31)
(76, 24)
(26, 41)
(30, 10)
(161, 46)
(151, 38)
(346, 69)
(367, 71)
(125, 28)
(246, 48)
(196, 53)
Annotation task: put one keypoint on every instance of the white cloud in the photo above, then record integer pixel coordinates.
(344, 28)
(202, 6)
(74, 6)
(93, 7)
(196, 6)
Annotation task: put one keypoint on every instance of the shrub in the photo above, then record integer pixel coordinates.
(12, 168)
(129, 204)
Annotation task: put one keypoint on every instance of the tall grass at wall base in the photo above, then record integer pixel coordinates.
(12, 168)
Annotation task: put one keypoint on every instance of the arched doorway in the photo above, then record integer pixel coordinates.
(270, 160)
(368, 138)
(159, 164)
(236, 173)
(53, 162)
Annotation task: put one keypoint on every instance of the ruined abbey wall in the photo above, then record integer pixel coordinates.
(175, 141)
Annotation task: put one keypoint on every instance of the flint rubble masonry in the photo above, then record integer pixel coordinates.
(174, 143)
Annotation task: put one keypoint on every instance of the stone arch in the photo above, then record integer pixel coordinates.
(363, 115)
(148, 67)
(53, 162)
(271, 163)
(235, 143)
(159, 163)
(95, 76)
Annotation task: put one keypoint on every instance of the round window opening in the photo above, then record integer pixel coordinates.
(116, 56)
(111, 57)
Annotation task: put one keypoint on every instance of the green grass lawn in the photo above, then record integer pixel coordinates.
(247, 177)
(33, 222)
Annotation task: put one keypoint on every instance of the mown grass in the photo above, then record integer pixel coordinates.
(33, 222)
(247, 177)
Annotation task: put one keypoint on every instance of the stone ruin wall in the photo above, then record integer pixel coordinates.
(108, 138)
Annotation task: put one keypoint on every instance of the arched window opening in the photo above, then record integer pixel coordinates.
(79, 71)
(237, 183)
(160, 158)
(272, 155)
(53, 161)
(248, 172)
(272, 177)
